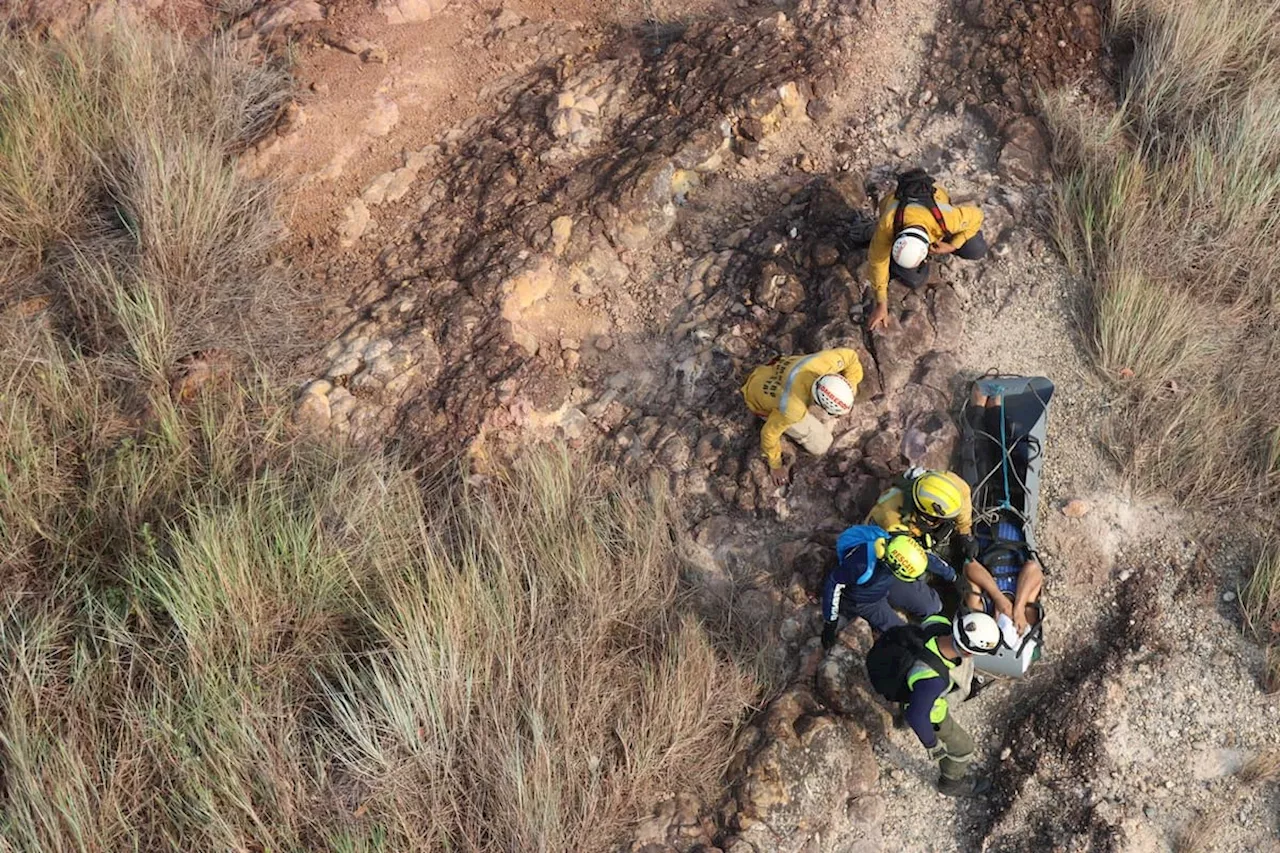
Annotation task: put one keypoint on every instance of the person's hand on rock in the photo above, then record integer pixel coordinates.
(879, 317)
(779, 475)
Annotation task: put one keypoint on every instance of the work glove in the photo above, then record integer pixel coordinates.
(938, 751)
(970, 546)
(829, 634)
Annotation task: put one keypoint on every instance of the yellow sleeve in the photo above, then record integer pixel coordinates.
(771, 437)
(886, 513)
(878, 260)
(964, 521)
(963, 222)
(853, 368)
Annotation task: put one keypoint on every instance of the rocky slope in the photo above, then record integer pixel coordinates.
(623, 222)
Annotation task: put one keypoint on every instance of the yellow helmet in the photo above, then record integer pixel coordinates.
(905, 558)
(935, 495)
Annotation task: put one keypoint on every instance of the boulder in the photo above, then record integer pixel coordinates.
(803, 769)
(841, 680)
(678, 824)
(938, 370)
(910, 335)
(410, 11)
(930, 441)
(778, 288)
(947, 314)
(191, 375)
(1025, 155)
(806, 558)
(856, 495)
(882, 454)
(824, 254)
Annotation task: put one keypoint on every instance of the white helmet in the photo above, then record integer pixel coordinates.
(833, 393)
(911, 247)
(976, 633)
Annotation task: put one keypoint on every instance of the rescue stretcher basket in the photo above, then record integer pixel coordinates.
(1001, 457)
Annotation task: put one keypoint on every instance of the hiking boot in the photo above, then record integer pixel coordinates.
(971, 785)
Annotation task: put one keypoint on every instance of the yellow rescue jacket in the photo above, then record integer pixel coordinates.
(782, 391)
(888, 512)
(963, 221)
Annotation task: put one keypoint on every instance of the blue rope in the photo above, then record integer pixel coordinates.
(1004, 449)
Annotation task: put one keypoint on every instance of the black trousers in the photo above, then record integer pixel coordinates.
(973, 249)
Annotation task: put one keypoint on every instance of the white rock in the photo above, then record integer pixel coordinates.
(410, 11)
(343, 368)
(312, 413)
(401, 180)
(382, 117)
(1076, 508)
(376, 192)
(376, 349)
(355, 222)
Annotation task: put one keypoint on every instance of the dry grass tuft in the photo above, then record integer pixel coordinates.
(118, 183)
(1271, 671)
(1167, 209)
(247, 643)
(1202, 833)
(1199, 835)
(1263, 768)
(1260, 597)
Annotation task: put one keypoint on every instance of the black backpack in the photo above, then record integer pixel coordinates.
(894, 653)
(916, 187)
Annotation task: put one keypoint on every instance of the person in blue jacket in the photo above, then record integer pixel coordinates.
(875, 573)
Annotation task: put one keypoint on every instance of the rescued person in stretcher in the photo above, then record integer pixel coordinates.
(1008, 580)
(1004, 577)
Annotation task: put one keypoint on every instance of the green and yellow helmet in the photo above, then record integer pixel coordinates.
(905, 557)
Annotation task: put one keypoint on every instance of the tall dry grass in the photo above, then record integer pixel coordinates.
(1169, 208)
(117, 179)
(216, 637)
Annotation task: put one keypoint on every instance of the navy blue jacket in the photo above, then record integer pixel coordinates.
(858, 574)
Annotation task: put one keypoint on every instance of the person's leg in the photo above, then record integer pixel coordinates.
(879, 614)
(973, 249)
(973, 599)
(959, 746)
(811, 434)
(917, 598)
(911, 278)
(1030, 583)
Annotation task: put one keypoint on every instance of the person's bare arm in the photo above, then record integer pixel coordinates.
(977, 574)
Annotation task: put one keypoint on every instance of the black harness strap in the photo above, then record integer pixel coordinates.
(916, 187)
(932, 207)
